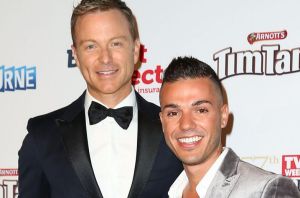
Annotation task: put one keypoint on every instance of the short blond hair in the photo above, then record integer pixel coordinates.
(89, 6)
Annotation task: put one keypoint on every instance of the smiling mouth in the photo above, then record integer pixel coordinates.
(190, 140)
(108, 72)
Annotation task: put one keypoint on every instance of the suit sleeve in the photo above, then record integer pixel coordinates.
(279, 187)
(32, 181)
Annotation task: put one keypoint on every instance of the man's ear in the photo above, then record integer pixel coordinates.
(224, 115)
(161, 120)
(74, 54)
(136, 50)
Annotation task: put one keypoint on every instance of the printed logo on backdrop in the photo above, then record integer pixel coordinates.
(264, 36)
(291, 167)
(9, 183)
(149, 80)
(262, 161)
(17, 78)
(268, 60)
(142, 80)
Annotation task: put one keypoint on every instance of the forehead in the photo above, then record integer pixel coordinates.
(97, 21)
(187, 91)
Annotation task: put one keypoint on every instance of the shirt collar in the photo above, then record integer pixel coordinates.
(208, 177)
(129, 100)
(178, 186)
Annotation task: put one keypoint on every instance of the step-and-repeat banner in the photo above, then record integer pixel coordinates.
(254, 46)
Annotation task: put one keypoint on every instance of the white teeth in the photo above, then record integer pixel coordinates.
(190, 139)
(106, 72)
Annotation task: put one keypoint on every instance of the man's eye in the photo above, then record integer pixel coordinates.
(89, 47)
(172, 114)
(202, 110)
(116, 44)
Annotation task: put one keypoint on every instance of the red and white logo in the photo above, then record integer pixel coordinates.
(263, 36)
(9, 183)
(291, 165)
(147, 81)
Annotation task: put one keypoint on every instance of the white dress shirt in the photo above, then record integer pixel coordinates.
(113, 150)
(180, 183)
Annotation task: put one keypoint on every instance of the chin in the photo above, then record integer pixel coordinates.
(191, 161)
(107, 89)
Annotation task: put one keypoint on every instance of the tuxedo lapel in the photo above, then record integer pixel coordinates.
(149, 139)
(73, 130)
(226, 177)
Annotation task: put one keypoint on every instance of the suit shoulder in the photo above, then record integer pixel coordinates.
(47, 116)
(261, 177)
(245, 167)
(281, 186)
(43, 123)
(47, 120)
(264, 183)
(151, 109)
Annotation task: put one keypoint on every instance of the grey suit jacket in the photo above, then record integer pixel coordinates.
(239, 179)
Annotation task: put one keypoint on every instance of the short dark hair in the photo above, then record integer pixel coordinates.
(89, 6)
(190, 68)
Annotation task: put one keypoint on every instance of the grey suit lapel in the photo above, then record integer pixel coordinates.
(226, 177)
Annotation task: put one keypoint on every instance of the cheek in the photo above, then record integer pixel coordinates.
(123, 61)
(208, 124)
(169, 130)
(168, 138)
(84, 68)
(214, 128)
(165, 126)
(83, 61)
(127, 57)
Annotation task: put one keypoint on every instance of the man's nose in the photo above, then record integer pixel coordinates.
(105, 55)
(187, 121)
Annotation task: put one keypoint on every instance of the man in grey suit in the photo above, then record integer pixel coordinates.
(193, 114)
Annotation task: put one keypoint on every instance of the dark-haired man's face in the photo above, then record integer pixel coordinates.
(193, 116)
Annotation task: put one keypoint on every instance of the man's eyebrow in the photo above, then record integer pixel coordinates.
(199, 102)
(87, 40)
(119, 37)
(94, 41)
(169, 106)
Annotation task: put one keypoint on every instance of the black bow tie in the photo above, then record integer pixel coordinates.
(122, 116)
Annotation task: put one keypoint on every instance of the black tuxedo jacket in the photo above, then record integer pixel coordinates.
(54, 158)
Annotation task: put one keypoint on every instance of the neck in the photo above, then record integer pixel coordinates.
(110, 100)
(195, 173)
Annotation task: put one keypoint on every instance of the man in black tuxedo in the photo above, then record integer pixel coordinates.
(109, 142)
